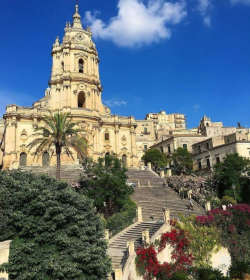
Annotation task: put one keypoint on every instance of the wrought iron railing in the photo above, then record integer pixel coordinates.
(125, 258)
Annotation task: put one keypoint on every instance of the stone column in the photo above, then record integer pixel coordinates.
(148, 183)
(208, 206)
(4, 256)
(139, 214)
(169, 173)
(118, 274)
(117, 139)
(162, 173)
(166, 215)
(131, 247)
(138, 184)
(107, 235)
(132, 133)
(145, 236)
(149, 166)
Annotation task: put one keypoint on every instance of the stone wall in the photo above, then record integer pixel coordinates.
(4, 256)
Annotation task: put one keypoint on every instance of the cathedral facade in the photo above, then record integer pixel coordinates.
(75, 87)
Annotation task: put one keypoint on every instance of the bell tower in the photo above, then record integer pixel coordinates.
(75, 81)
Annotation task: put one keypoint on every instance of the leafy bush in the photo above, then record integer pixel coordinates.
(123, 219)
(105, 183)
(239, 270)
(234, 229)
(227, 199)
(55, 232)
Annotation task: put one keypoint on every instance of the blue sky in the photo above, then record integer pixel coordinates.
(190, 56)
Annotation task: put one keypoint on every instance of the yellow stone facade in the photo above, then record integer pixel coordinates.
(75, 87)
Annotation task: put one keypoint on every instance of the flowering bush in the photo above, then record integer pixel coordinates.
(234, 229)
(148, 265)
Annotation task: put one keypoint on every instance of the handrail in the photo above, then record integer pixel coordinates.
(153, 229)
(125, 258)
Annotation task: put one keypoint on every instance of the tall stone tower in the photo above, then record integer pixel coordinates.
(75, 78)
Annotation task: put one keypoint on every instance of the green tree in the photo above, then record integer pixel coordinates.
(239, 270)
(204, 240)
(182, 160)
(234, 170)
(156, 157)
(105, 183)
(56, 232)
(60, 133)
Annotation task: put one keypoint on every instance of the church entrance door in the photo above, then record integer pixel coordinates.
(45, 159)
(23, 159)
(124, 160)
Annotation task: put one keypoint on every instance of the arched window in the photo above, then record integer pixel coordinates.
(207, 124)
(81, 100)
(80, 65)
(62, 67)
(106, 136)
(23, 159)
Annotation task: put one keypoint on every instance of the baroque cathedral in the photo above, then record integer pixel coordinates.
(75, 87)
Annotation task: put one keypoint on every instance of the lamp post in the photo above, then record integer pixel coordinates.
(234, 187)
(210, 157)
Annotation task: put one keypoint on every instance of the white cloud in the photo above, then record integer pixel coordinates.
(138, 22)
(196, 107)
(246, 2)
(112, 103)
(204, 7)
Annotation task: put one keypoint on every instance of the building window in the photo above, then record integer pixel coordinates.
(162, 150)
(169, 149)
(207, 146)
(62, 67)
(106, 136)
(217, 159)
(199, 148)
(184, 146)
(145, 129)
(145, 147)
(80, 65)
(199, 165)
(208, 163)
(81, 100)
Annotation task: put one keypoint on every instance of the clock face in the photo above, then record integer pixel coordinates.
(80, 36)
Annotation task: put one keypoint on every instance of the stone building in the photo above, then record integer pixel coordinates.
(75, 87)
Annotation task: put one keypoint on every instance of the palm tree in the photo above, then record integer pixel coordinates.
(208, 273)
(59, 132)
(239, 270)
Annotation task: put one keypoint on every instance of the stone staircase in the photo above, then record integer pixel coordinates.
(70, 172)
(152, 195)
(156, 197)
(118, 244)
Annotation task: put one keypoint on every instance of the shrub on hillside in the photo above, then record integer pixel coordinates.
(56, 232)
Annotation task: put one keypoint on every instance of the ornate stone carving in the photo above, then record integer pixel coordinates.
(124, 140)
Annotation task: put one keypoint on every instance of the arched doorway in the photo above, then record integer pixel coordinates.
(23, 159)
(81, 100)
(124, 160)
(45, 159)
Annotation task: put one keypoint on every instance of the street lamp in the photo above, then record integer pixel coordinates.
(210, 157)
(234, 187)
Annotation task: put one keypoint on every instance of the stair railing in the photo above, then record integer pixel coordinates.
(153, 229)
(125, 258)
